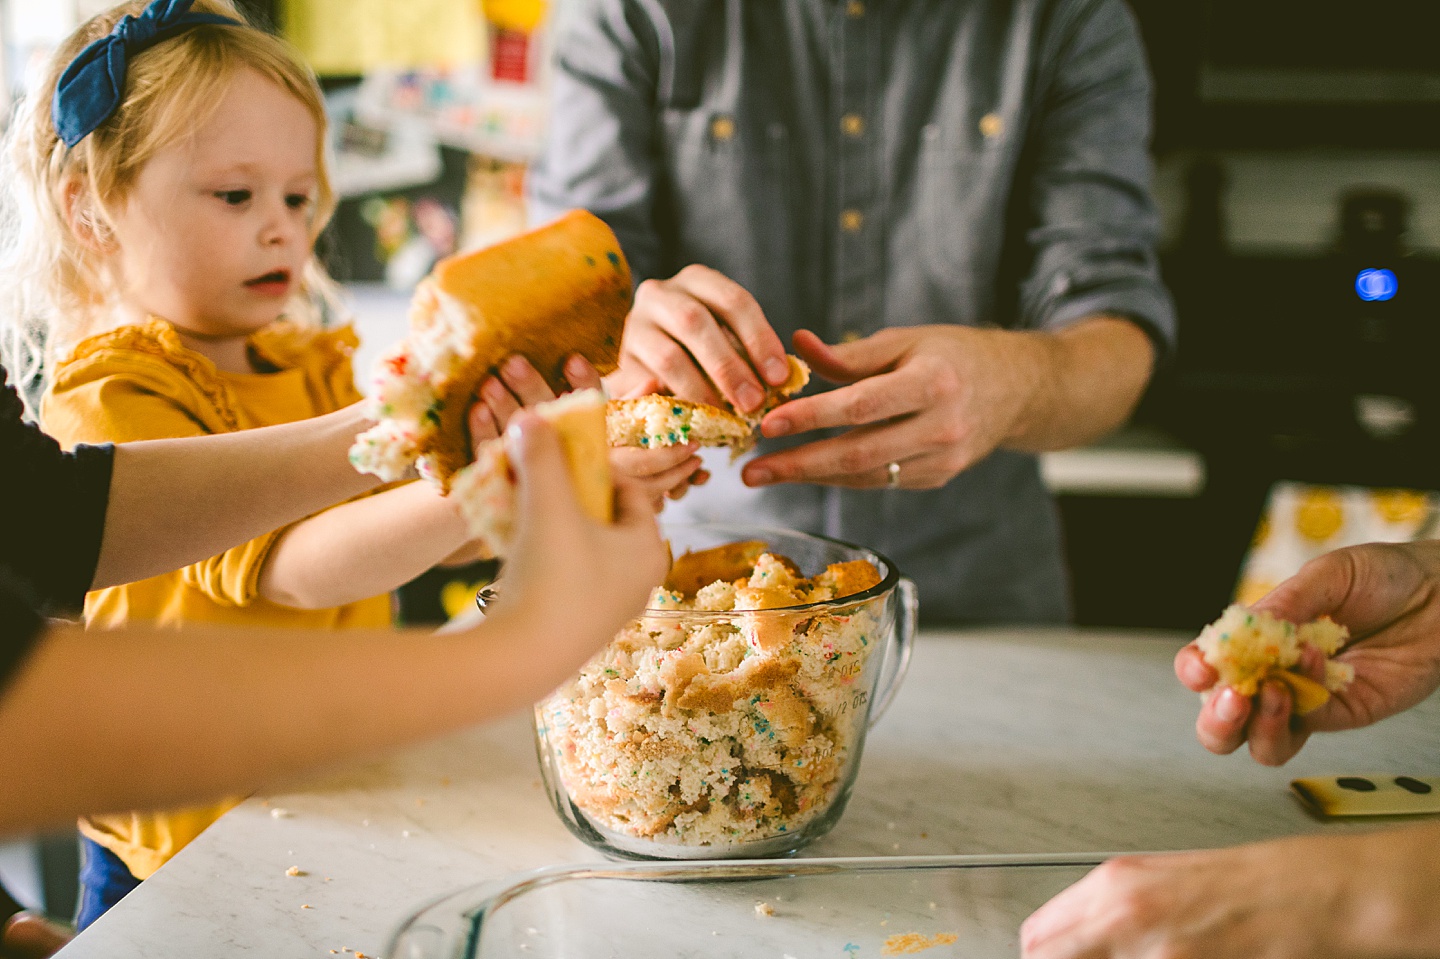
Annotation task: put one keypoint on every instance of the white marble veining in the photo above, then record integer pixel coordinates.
(999, 742)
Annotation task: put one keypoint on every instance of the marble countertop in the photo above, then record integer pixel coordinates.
(999, 742)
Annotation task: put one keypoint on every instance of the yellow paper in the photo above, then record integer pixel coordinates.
(353, 36)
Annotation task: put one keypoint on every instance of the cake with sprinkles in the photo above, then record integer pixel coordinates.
(731, 725)
(561, 289)
(1247, 647)
(659, 420)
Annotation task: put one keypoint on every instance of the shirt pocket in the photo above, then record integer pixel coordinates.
(732, 201)
(962, 194)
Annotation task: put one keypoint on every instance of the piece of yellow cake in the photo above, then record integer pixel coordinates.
(660, 420)
(1248, 647)
(561, 289)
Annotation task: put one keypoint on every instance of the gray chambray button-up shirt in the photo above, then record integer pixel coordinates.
(861, 164)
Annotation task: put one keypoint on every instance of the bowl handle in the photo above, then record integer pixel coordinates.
(897, 664)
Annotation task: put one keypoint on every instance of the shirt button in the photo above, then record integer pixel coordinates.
(852, 124)
(991, 125)
(851, 221)
(722, 128)
(855, 9)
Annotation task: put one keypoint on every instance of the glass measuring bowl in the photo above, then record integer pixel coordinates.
(760, 764)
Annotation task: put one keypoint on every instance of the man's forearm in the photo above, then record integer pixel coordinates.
(1085, 382)
(174, 502)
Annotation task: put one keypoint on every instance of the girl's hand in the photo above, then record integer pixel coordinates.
(517, 386)
(571, 582)
(1315, 897)
(1389, 598)
(665, 471)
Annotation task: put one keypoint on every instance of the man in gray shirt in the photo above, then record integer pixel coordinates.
(943, 205)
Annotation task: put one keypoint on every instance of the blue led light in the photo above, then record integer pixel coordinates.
(1376, 285)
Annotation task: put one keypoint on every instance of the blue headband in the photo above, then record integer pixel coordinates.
(93, 85)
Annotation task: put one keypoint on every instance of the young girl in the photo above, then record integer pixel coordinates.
(171, 220)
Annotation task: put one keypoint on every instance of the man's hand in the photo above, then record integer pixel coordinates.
(935, 399)
(701, 336)
(1315, 897)
(1389, 598)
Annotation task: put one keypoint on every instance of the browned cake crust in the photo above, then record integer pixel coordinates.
(562, 289)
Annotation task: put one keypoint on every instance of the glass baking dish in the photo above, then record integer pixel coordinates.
(936, 906)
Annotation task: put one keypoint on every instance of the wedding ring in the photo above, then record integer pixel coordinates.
(892, 474)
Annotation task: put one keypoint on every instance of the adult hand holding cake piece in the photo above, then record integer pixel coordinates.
(1385, 595)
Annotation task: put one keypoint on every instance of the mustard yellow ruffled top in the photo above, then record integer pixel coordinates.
(140, 383)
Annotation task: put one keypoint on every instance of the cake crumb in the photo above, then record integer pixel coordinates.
(306, 905)
(444, 780)
(909, 943)
(279, 813)
(764, 909)
(296, 871)
(419, 802)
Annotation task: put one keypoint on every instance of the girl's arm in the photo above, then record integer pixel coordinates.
(243, 706)
(363, 548)
(177, 501)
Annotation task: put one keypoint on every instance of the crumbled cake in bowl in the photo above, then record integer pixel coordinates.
(728, 720)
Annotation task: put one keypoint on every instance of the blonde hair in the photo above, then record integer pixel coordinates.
(55, 290)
